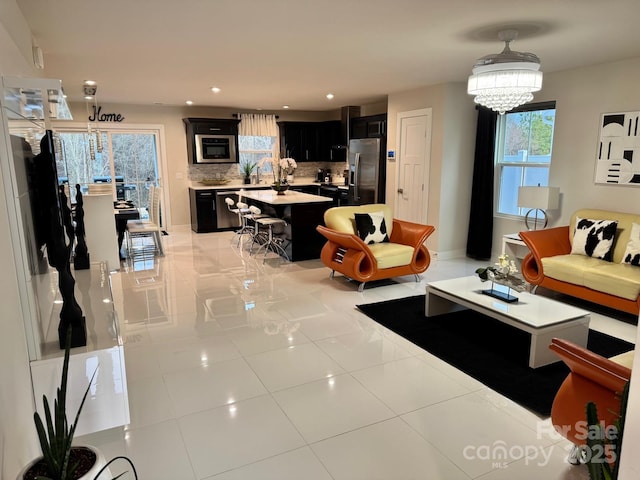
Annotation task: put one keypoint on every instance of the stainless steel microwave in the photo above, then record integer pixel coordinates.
(215, 148)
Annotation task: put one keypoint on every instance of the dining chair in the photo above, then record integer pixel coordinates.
(138, 229)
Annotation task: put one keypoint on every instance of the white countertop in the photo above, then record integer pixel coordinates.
(289, 198)
(239, 185)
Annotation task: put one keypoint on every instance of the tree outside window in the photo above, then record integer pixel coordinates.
(523, 154)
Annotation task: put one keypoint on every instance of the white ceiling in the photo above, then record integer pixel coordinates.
(267, 53)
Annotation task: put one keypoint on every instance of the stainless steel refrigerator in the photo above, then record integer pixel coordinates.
(366, 171)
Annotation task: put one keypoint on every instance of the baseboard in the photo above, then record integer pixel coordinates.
(447, 254)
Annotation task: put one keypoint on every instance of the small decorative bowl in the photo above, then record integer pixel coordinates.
(214, 181)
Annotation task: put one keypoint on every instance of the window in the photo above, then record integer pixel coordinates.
(253, 148)
(523, 153)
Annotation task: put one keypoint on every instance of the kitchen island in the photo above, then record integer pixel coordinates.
(303, 212)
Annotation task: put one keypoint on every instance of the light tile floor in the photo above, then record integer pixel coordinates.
(239, 369)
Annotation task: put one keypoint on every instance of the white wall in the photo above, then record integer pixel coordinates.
(18, 440)
(582, 96)
(452, 146)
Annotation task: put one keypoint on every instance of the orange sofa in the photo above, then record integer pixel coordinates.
(346, 253)
(593, 378)
(551, 264)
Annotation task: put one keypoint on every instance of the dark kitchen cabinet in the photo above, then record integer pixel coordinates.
(211, 126)
(312, 141)
(203, 210)
(299, 140)
(332, 141)
(373, 126)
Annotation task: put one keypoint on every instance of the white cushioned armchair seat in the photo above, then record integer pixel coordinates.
(391, 254)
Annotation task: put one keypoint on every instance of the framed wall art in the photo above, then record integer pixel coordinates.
(618, 149)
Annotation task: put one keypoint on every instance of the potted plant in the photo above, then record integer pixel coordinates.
(60, 459)
(247, 170)
(602, 452)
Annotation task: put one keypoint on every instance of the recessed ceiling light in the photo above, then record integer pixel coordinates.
(330, 96)
(88, 97)
(89, 82)
(285, 106)
(189, 102)
(215, 89)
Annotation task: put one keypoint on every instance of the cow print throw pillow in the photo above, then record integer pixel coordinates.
(594, 238)
(371, 227)
(632, 253)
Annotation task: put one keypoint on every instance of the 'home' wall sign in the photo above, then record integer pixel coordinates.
(98, 116)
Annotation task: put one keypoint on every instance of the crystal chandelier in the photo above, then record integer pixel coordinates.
(505, 80)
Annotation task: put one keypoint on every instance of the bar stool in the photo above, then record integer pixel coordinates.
(251, 218)
(272, 243)
(240, 209)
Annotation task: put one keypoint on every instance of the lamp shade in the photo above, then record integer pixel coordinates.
(543, 198)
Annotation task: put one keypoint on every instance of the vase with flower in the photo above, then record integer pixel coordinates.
(280, 168)
(502, 273)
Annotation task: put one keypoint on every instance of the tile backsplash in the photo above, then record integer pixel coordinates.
(231, 171)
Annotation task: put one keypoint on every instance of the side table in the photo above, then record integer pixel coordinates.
(513, 246)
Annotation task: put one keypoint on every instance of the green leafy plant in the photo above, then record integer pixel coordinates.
(56, 436)
(602, 454)
(504, 273)
(248, 168)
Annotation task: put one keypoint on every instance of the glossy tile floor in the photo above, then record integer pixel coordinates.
(244, 369)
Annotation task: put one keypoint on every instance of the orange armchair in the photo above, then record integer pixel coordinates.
(346, 253)
(593, 378)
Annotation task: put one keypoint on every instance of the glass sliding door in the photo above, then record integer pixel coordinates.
(135, 159)
(128, 161)
(75, 165)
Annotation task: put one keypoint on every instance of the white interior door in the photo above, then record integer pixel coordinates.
(413, 153)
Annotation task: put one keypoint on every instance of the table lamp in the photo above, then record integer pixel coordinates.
(538, 199)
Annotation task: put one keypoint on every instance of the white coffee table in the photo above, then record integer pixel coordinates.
(541, 317)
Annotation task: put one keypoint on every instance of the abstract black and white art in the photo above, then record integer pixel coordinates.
(618, 151)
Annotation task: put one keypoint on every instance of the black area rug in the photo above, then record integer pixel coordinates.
(486, 349)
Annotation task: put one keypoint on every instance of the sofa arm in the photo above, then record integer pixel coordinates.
(408, 233)
(345, 240)
(347, 253)
(592, 366)
(547, 242)
(543, 243)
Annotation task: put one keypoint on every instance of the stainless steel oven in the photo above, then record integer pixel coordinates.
(215, 148)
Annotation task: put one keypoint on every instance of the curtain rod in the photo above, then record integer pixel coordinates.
(237, 115)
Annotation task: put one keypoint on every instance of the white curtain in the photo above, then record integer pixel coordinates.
(261, 125)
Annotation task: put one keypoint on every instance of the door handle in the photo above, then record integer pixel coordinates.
(356, 173)
(400, 190)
